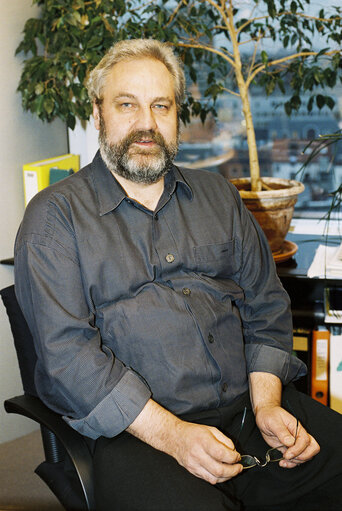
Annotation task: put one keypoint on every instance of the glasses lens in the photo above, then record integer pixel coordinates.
(247, 461)
(274, 455)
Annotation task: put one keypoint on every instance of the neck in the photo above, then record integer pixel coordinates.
(146, 194)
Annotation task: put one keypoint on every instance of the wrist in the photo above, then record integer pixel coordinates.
(265, 391)
(157, 426)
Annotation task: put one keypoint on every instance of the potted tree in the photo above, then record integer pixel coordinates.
(70, 38)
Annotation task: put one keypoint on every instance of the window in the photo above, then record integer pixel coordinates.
(283, 144)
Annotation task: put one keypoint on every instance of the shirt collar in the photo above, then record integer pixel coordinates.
(110, 193)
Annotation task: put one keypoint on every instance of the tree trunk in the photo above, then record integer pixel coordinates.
(254, 168)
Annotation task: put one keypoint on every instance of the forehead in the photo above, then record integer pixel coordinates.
(141, 77)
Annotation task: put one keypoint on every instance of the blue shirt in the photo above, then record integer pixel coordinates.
(124, 303)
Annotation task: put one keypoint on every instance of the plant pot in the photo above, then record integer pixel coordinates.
(272, 208)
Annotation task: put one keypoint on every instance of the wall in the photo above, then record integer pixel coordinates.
(22, 139)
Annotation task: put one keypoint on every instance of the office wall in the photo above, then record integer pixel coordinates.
(22, 139)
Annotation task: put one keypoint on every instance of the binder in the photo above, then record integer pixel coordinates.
(302, 350)
(335, 374)
(320, 365)
(36, 174)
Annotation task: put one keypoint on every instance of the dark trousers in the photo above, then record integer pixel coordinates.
(132, 476)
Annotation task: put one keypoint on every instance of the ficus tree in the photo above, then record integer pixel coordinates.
(231, 38)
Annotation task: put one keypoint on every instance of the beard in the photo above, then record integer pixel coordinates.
(138, 164)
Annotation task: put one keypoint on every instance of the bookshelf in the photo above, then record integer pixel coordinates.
(311, 323)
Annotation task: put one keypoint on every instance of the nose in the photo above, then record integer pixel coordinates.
(145, 119)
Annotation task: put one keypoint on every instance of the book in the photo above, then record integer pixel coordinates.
(302, 350)
(335, 374)
(320, 365)
(36, 174)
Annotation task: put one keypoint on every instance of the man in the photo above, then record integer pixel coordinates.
(154, 303)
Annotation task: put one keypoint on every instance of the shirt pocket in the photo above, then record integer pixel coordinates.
(217, 259)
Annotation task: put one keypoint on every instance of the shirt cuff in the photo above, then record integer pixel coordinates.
(268, 359)
(116, 411)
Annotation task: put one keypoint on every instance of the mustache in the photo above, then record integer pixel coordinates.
(140, 135)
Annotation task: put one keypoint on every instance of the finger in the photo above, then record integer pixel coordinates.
(288, 434)
(304, 451)
(302, 441)
(203, 465)
(222, 438)
(290, 463)
(305, 456)
(222, 449)
(215, 472)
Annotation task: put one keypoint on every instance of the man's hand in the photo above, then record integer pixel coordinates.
(203, 450)
(277, 426)
(206, 452)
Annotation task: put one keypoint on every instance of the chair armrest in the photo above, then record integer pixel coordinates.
(74, 444)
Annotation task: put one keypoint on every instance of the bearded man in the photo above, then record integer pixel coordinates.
(161, 328)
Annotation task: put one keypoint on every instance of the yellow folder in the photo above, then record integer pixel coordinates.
(36, 174)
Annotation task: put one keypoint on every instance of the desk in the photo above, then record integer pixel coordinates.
(307, 295)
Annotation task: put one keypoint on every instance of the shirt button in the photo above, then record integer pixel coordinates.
(186, 291)
(170, 258)
(224, 387)
(211, 338)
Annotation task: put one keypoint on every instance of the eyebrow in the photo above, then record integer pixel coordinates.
(121, 95)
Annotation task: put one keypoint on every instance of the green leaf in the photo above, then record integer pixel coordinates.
(193, 74)
(288, 108)
(281, 86)
(337, 58)
(320, 101)
(38, 105)
(270, 86)
(71, 121)
(48, 105)
(264, 57)
(39, 88)
(160, 18)
(329, 102)
(203, 115)
(94, 41)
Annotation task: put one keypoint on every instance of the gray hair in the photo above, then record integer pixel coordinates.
(137, 48)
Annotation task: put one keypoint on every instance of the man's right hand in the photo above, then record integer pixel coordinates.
(206, 452)
(203, 450)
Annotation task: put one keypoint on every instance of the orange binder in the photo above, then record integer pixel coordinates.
(320, 365)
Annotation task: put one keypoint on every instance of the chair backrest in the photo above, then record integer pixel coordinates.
(23, 340)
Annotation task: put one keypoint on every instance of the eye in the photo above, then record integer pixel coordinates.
(161, 107)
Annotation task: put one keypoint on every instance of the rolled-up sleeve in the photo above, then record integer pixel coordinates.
(266, 309)
(76, 374)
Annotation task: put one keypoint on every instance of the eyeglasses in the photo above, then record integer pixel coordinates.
(272, 455)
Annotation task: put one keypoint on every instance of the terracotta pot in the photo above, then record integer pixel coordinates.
(273, 208)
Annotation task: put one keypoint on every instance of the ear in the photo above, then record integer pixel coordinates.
(96, 115)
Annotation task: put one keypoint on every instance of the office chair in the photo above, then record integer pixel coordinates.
(68, 468)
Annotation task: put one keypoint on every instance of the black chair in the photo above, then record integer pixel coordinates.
(68, 468)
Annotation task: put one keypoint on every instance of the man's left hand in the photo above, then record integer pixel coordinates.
(279, 428)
